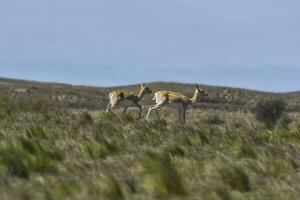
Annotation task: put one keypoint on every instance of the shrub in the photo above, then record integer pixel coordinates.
(110, 188)
(214, 119)
(283, 122)
(235, 177)
(98, 149)
(269, 111)
(126, 118)
(175, 150)
(244, 150)
(37, 132)
(221, 192)
(160, 176)
(278, 168)
(61, 188)
(199, 138)
(24, 157)
(86, 119)
(6, 106)
(15, 162)
(36, 104)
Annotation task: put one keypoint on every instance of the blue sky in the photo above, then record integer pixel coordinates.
(251, 44)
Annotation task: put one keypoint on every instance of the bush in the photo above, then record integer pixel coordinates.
(110, 188)
(36, 104)
(245, 150)
(37, 132)
(6, 106)
(269, 111)
(214, 119)
(160, 176)
(278, 168)
(23, 157)
(86, 119)
(175, 150)
(235, 177)
(98, 149)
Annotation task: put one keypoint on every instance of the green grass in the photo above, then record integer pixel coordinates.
(110, 188)
(160, 177)
(49, 150)
(22, 157)
(235, 177)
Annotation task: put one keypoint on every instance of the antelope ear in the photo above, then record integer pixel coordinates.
(197, 87)
(147, 84)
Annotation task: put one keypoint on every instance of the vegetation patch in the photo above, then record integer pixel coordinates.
(245, 150)
(97, 149)
(160, 176)
(235, 177)
(22, 157)
(269, 111)
(175, 150)
(37, 132)
(110, 188)
(57, 142)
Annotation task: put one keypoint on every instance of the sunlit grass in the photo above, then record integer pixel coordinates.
(52, 152)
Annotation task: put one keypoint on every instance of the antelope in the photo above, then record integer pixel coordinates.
(126, 99)
(174, 100)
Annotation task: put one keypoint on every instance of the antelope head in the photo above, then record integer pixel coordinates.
(198, 93)
(144, 90)
(201, 92)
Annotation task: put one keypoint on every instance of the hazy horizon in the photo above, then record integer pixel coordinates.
(253, 45)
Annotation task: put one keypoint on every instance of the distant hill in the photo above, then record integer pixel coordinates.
(89, 97)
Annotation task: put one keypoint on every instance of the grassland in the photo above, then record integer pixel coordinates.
(56, 142)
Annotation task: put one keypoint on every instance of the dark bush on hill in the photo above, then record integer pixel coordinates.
(269, 111)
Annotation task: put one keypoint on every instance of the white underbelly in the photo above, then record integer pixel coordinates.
(127, 103)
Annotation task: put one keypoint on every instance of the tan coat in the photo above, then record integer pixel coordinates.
(174, 100)
(126, 99)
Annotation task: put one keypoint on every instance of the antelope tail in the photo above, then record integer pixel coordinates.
(110, 95)
(154, 98)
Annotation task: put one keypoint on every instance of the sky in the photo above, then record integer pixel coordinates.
(249, 44)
